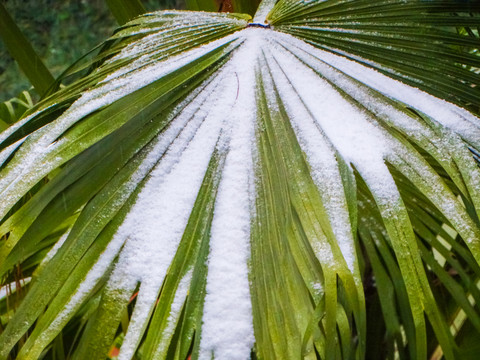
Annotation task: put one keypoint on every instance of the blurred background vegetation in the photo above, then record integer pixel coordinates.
(60, 31)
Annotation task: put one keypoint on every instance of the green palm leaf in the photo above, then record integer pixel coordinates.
(217, 188)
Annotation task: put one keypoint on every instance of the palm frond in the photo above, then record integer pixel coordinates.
(209, 188)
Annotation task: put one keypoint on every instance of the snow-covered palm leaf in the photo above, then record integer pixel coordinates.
(218, 189)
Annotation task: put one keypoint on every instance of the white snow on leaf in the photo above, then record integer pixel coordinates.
(324, 121)
(9, 289)
(140, 254)
(11, 129)
(82, 292)
(175, 311)
(37, 156)
(459, 120)
(8, 151)
(358, 140)
(155, 225)
(227, 330)
(382, 144)
(51, 253)
(321, 157)
(263, 9)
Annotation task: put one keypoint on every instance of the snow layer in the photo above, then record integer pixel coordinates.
(320, 152)
(447, 114)
(227, 330)
(155, 225)
(38, 152)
